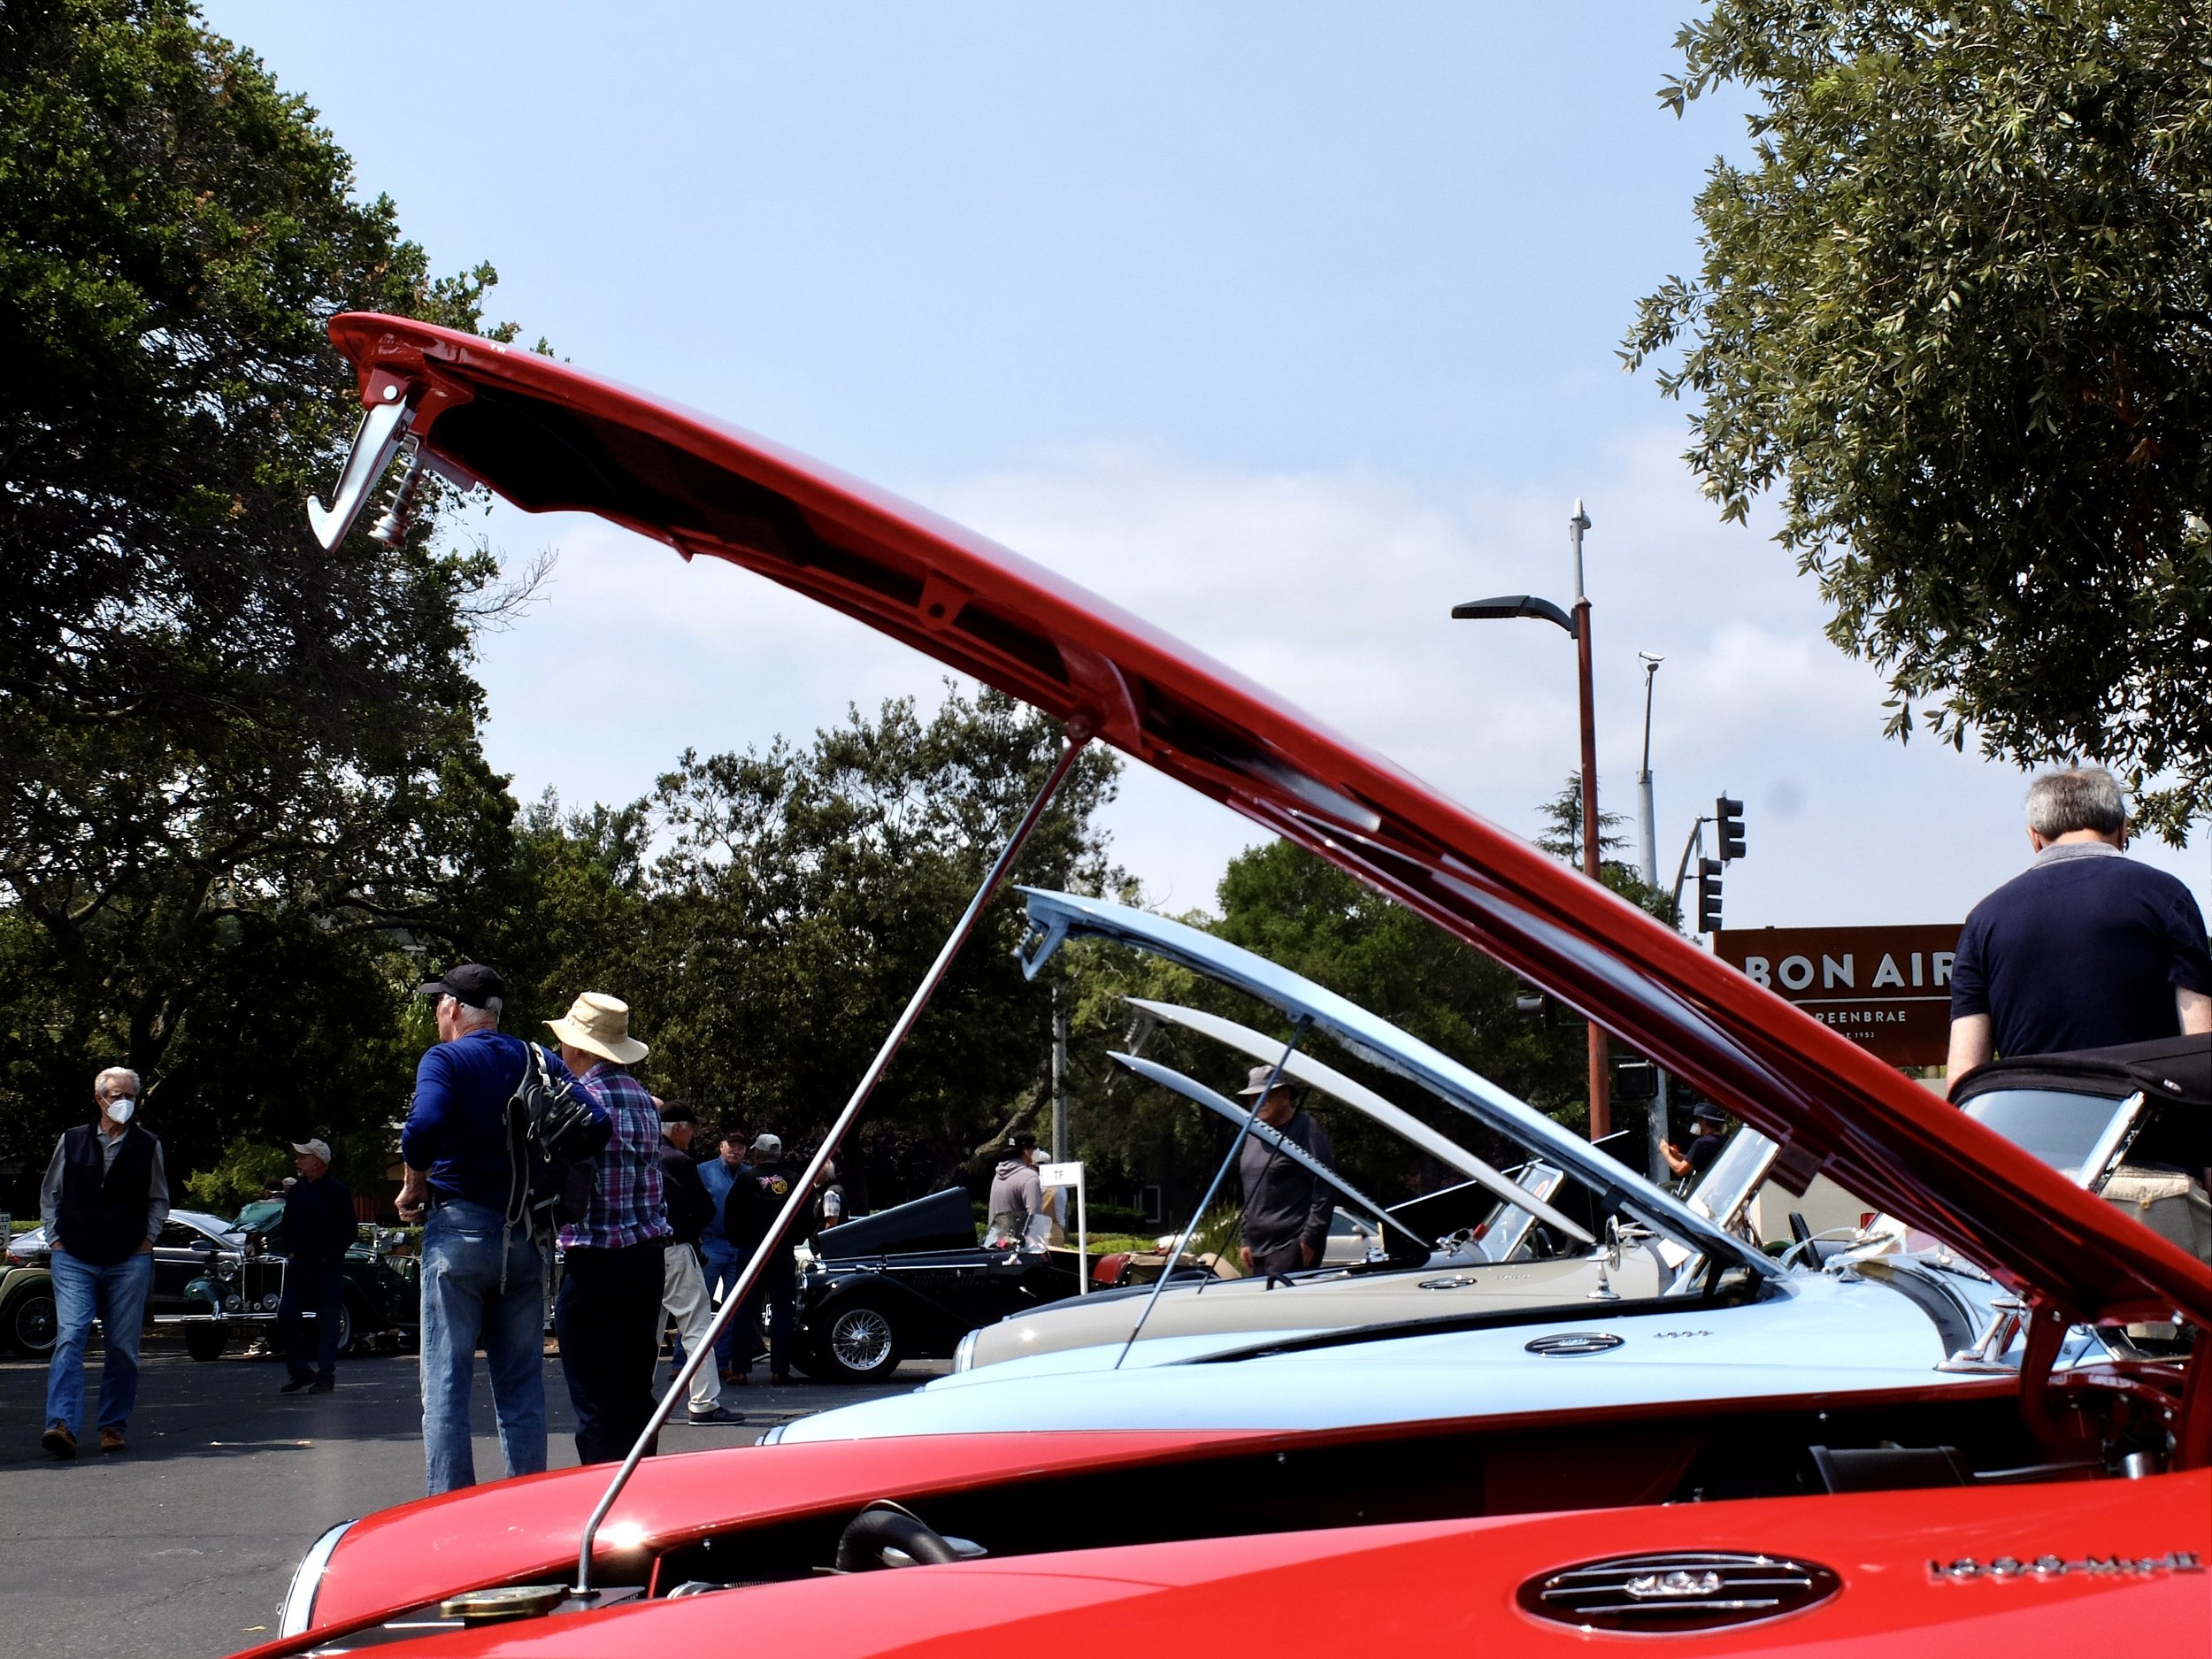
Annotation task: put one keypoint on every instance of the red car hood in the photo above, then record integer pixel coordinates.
(548, 437)
(1925, 1575)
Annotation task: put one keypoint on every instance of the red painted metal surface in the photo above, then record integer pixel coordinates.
(549, 437)
(1448, 1589)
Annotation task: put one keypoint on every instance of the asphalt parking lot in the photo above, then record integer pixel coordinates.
(183, 1544)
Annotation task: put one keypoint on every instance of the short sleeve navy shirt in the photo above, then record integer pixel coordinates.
(2082, 950)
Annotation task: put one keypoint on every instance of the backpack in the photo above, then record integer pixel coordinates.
(553, 1135)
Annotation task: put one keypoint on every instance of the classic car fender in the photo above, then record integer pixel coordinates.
(1925, 1575)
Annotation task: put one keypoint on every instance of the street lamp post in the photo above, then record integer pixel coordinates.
(1577, 626)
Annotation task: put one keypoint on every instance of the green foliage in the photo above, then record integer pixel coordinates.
(228, 760)
(1957, 310)
(246, 1169)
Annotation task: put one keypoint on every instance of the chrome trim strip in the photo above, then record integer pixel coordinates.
(295, 1613)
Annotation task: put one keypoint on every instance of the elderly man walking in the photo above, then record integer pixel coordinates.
(683, 1284)
(105, 1198)
(319, 1229)
(483, 1275)
(2085, 950)
(613, 1261)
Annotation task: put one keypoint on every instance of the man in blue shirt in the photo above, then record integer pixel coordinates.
(2087, 948)
(724, 1261)
(613, 1261)
(483, 1275)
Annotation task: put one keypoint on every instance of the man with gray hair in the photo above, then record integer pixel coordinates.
(104, 1201)
(2085, 950)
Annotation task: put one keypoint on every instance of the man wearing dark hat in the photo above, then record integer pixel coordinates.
(1016, 1207)
(1287, 1208)
(683, 1282)
(483, 1275)
(1709, 1128)
(319, 1229)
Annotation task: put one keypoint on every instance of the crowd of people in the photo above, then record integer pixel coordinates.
(2085, 950)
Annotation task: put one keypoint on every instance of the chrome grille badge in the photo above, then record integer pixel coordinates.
(1689, 1590)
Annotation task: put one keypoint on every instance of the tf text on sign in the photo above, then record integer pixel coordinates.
(1886, 988)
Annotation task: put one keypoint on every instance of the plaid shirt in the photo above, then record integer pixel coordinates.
(626, 1203)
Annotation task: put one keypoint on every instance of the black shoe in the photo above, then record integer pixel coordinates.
(296, 1385)
(322, 1385)
(781, 1379)
(720, 1413)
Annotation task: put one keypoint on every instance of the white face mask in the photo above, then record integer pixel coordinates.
(119, 1110)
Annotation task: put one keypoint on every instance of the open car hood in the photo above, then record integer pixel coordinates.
(549, 437)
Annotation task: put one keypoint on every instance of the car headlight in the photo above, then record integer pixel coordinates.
(964, 1355)
(296, 1611)
(225, 1267)
(234, 1304)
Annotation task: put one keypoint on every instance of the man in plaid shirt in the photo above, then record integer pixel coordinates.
(609, 1315)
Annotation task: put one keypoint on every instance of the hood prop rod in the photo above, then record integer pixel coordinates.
(702, 1353)
(1236, 1145)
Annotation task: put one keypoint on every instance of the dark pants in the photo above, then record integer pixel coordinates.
(317, 1289)
(777, 1290)
(1277, 1258)
(609, 1322)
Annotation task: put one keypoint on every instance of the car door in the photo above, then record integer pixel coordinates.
(176, 1265)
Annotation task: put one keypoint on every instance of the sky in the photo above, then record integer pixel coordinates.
(1287, 325)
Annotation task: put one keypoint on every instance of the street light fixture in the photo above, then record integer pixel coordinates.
(1576, 625)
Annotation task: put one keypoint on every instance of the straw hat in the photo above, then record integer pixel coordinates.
(600, 1024)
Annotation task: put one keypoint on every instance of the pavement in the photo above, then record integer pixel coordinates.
(184, 1544)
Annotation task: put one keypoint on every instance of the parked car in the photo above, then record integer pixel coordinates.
(1771, 1496)
(187, 1239)
(238, 1284)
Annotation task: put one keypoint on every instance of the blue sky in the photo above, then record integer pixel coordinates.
(1285, 325)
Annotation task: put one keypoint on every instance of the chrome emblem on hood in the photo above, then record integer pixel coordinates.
(1573, 1342)
(1688, 1590)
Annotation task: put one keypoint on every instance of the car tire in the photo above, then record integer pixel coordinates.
(32, 1324)
(860, 1343)
(206, 1341)
(349, 1325)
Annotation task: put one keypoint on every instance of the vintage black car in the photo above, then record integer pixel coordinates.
(187, 1239)
(240, 1281)
(909, 1282)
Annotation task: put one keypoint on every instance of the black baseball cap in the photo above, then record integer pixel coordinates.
(674, 1111)
(1021, 1140)
(471, 982)
(1708, 1112)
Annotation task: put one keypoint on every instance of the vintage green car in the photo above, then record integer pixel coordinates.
(215, 1279)
(242, 1282)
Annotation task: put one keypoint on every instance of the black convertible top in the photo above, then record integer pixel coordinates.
(2174, 1069)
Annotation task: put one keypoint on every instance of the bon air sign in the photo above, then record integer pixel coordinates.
(1886, 988)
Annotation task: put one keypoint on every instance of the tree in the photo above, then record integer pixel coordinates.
(220, 747)
(1957, 310)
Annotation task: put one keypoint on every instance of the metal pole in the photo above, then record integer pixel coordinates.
(1059, 1080)
(1655, 1133)
(1646, 817)
(803, 1190)
(1600, 1071)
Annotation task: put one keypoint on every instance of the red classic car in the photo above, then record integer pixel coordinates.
(2014, 1506)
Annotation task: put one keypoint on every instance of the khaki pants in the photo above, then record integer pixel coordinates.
(684, 1299)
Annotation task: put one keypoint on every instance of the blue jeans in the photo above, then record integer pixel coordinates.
(463, 1247)
(724, 1261)
(117, 1296)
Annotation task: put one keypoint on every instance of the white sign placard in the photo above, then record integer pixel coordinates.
(1060, 1174)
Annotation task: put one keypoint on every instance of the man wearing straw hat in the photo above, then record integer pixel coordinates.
(609, 1315)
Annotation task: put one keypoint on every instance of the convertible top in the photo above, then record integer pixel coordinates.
(2176, 1070)
(551, 438)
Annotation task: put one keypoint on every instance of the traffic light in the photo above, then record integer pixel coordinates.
(1709, 894)
(1728, 828)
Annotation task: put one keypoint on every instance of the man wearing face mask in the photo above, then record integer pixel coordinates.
(103, 1201)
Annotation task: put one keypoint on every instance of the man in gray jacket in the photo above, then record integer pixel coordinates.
(1017, 1210)
(1286, 1209)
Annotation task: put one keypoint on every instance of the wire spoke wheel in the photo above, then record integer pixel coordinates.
(862, 1342)
(35, 1325)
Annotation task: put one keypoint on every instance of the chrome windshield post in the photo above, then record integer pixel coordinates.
(701, 1353)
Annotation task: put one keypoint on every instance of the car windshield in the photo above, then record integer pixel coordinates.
(2057, 1126)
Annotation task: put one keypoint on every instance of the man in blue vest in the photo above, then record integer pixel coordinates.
(104, 1199)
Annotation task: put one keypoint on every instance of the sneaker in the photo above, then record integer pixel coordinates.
(296, 1385)
(720, 1413)
(322, 1385)
(59, 1441)
(111, 1439)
